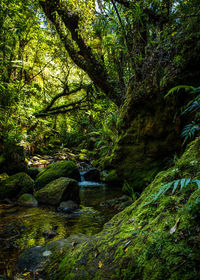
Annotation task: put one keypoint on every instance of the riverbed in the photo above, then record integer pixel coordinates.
(22, 228)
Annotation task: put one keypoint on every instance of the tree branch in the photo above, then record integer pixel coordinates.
(58, 13)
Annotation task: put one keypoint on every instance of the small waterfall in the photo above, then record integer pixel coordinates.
(85, 183)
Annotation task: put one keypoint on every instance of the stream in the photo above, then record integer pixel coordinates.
(22, 228)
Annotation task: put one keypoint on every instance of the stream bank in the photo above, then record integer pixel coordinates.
(157, 237)
(22, 227)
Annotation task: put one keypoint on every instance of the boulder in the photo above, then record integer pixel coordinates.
(68, 206)
(16, 185)
(61, 189)
(56, 170)
(92, 174)
(156, 237)
(28, 200)
(32, 259)
(33, 172)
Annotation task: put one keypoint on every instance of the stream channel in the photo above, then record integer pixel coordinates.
(22, 228)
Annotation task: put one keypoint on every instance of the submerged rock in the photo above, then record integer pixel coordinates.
(16, 185)
(157, 237)
(27, 200)
(56, 170)
(61, 189)
(33, 259)
(68, 206)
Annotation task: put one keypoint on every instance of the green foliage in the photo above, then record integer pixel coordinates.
(128, 189)
(181, 183)
(192, 107)
(178, 88)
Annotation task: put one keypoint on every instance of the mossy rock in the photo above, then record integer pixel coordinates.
(32, 258)
(33, 172)
(158, 240)
(56, 170)
(27, 200)
(61, 189)
(16, 185)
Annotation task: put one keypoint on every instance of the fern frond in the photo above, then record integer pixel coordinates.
(183, 182)
(178, 88)
(190, 130)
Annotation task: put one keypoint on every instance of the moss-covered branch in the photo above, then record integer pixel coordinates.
(64, 19)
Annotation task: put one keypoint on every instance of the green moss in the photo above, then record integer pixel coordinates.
(137, 242)
(61, 189)
(27, 200)
(16, 185)
(56, 170)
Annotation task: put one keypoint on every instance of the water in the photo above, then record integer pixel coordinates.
(21, 228)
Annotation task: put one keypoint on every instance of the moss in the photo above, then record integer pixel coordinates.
(16, 185)
(137, 243)
(61, 189)
(56, 170)
(27, 200)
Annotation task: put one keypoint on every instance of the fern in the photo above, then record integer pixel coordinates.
(189, 130)
(178, 88)
(183, 183)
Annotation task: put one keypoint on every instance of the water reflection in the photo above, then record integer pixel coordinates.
(21, 228)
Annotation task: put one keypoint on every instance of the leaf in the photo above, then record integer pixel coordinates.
(197, 182)
(26, 273)
(175, 186)
(174, 228)
(96, 253)
(187, 88)
(100, 264)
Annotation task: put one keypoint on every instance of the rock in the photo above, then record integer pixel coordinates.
(33, 258)
(33, 172)
(136, 243)
(61, 189)
(16, 185)
(27, 200)
(92, 175)
(68, 206)
(56, 170)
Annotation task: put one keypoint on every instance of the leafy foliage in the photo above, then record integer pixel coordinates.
(192, 107)
(181, 183)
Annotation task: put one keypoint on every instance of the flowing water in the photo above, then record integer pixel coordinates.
(21, 228)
